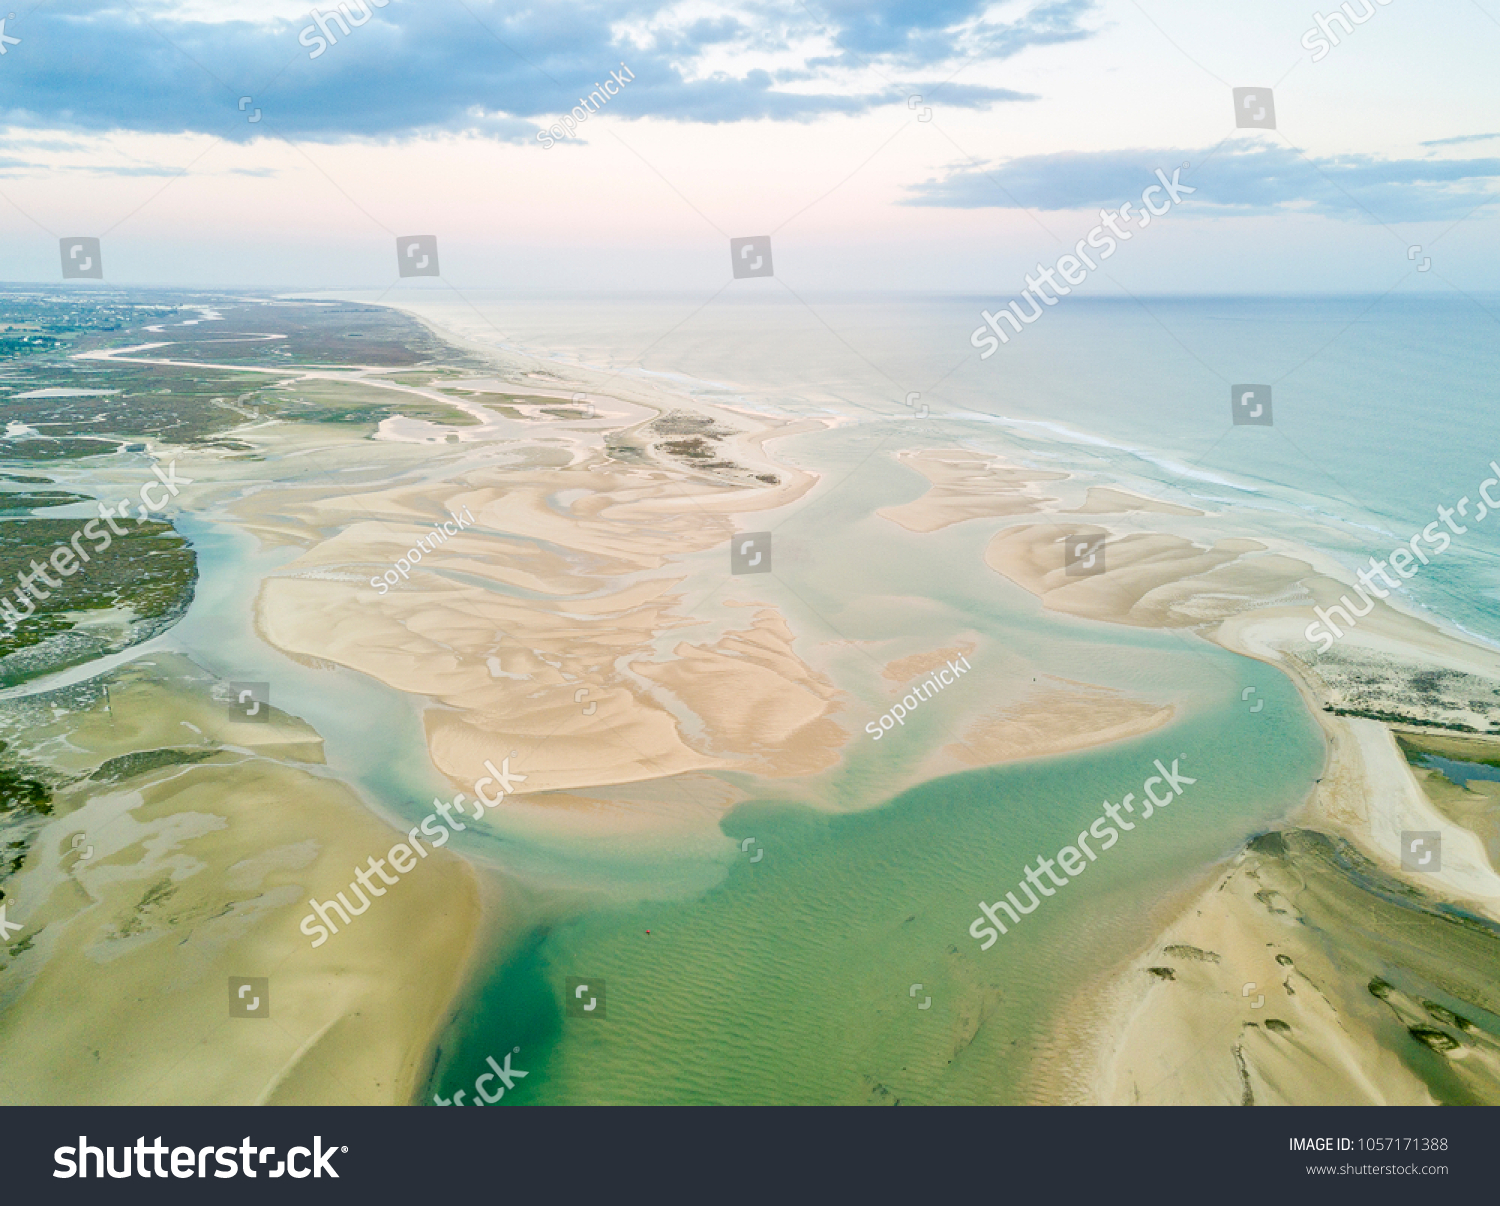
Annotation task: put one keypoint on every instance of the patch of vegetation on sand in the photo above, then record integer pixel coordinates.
(320, 401)
(128, 766)
(19, 502)
(25, 800)
(91, 407)
(1378, 686)
(147, 576)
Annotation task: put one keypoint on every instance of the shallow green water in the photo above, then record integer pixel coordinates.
(791, 980)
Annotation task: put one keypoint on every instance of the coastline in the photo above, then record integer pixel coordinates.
(1204, 1014)
(604, 524)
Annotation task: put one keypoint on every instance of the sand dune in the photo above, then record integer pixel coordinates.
(1055, 719)
(966, 485)
(760, 704)
(493, 624)
(1151, 579)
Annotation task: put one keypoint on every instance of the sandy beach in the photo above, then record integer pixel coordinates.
(967, 485)
(1313, 969)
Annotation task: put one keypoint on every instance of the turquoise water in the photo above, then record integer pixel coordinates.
(791, 980)
(372, 734)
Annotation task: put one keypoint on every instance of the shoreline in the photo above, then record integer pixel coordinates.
(1166, 1025)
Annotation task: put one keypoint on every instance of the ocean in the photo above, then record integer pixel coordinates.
(1384, 408)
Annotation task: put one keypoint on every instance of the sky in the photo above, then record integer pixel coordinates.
(947, 146)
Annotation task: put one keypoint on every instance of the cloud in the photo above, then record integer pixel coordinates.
(1252, 178)
(1449, 142)
(920, 33)
(411, 67)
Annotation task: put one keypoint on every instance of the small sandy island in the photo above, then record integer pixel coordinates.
(966, 485)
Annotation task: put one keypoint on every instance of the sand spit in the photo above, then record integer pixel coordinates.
(966, 485)
(904, 669)
(1059, 717)
(1106, 500)
(1354, 967)
(201, 857)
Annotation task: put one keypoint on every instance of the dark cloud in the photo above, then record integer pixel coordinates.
(1250, 178)
(411, 67)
